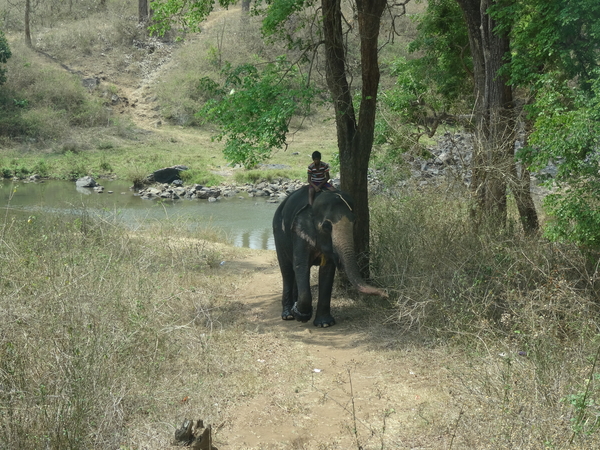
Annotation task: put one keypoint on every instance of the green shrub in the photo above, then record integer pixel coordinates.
(203, 177)
(41, 168)
(75, 166)
(44, 102)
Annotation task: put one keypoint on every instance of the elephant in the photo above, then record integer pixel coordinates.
(318, 235)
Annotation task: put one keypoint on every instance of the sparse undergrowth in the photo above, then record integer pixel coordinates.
(522, 311)
(105, 330)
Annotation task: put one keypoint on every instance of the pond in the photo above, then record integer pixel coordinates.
(246, 222)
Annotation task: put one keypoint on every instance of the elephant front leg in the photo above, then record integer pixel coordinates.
(323, 317)
(290, 293)
(302, 309)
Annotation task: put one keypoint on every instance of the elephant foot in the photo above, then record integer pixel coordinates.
(287, 314)
(324, 322)
(299, 316)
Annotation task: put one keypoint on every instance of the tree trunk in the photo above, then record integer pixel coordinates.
(246, 5)
(522, 191)
(355, 140)
(498, 125)
(493, 159)
(143, 11)
(27, 19)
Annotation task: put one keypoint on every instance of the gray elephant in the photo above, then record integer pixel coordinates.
(318, 235)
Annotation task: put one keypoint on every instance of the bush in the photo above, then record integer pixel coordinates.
(45, 124)
(45, 102)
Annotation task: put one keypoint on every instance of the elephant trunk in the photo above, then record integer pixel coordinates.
(343, 243)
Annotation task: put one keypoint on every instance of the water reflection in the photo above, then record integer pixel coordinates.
(262, 238)
(246, 222)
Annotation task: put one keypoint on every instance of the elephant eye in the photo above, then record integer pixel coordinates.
(326, 226)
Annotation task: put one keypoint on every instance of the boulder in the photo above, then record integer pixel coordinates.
(167, 175)
(87, 182)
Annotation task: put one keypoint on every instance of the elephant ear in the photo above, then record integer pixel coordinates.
(303, 225)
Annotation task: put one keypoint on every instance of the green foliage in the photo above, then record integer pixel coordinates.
(253, 109)
(575, 215)
(554, 57)
(43, 103)
(442, 44)
(434, 82)
(567, 131)
(586, 407)
(76, 166)
(41, 168)
(4, 55)
(276, 15)
(188, 15)
(550, 35)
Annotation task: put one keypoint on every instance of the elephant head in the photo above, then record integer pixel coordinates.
(333, 218)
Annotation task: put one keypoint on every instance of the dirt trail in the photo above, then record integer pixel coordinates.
(349, 385)
(138, 96)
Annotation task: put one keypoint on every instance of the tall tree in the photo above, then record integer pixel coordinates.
(463, 48)
(494, 167)
(27, 23)
(555, 48)
(354, 133)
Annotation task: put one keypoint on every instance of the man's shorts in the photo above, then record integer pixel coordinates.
(324, 186)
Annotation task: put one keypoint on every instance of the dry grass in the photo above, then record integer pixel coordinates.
(521, 311)
(106, 335)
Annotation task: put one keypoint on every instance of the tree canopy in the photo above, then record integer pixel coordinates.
(554, 62)
(253, 108)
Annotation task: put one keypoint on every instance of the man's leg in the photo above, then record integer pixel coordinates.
(311, 195)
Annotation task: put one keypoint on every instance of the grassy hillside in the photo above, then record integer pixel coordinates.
(100, 97)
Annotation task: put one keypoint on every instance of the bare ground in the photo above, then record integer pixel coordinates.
(354, 387)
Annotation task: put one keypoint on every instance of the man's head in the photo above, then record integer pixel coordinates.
(316, 156)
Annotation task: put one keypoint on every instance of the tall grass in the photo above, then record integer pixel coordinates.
(523, 312)
(104, 332)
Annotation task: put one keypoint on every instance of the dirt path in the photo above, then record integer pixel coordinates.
(348, 393)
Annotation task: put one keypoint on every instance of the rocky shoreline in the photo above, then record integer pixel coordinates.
(448, 162)
(450, 159)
